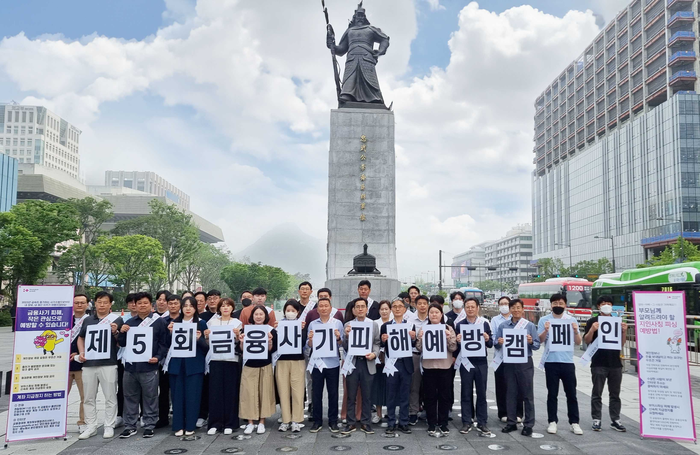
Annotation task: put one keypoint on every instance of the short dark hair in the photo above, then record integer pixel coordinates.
(246, 291)
(192, 301)
(259, 291)
(330, 294)
(225, 301)
(251, 320)
(130, 298)
(457, 293)
(556, 297)
(80, 294)
(504, 297)
(437, 299)
(413, 287)
(161, 292)
(305, 283)
(172, 297)
(213, 292)
(472, 299)
(364, 283)
(323, 299)
(143, 295)
(514, 302)
(294, 304)
(359, 299)
(101, 294)
(187, 292)
(604, 299)
(423, 297)
(200, 293)
(403, 295)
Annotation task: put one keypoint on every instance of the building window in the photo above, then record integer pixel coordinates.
(24, 117)
(128, 183)
(9, 130)
(21, 160)
(115, 182)
(14, 141)
(31, 117)
(29, 142)
(21, 142)
(30, 130)
(16, 130)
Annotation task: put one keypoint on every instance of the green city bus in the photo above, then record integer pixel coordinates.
(675, 277)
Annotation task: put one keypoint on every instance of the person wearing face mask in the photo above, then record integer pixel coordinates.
(605, 366)
(560, 366)
(246, 301)
(501, 385)
(457, 301)
(290, 375)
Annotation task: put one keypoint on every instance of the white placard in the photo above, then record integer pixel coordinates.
(361, 338)
(324, 341)
(222, 342)
(514, 346)
(561, 335)
(184, 340)
(399, 341)
(665, 397)
(289, 337)
(98, 342)
(610, 333)
(434, 341)
(256, 342)
(39, 395)
(473, 344)
(139, 345)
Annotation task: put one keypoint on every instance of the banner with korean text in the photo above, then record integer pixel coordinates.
(665, 398)
(39, 397)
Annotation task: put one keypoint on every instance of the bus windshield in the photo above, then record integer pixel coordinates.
(578, 296)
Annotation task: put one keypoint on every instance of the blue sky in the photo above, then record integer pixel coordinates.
(230, 102)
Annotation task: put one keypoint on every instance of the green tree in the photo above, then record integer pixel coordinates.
(239, 277)
(212, 260)
(17, 245)
(489, 285)
(134, 260)
(548, 267)
(674, 253)
(584, 268)
(51, 225)
(91, 214)
(174, 230)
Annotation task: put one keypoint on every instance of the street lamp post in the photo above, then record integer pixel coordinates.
(571, 264)
(612, 242)
(680, 223)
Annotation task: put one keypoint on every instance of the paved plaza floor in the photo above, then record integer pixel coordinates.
(564, 442)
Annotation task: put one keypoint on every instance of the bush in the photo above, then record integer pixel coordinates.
(5, 318)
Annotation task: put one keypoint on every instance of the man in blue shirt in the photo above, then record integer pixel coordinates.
(558, 366)
(519, 376)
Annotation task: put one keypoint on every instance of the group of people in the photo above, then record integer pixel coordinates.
(223, 393)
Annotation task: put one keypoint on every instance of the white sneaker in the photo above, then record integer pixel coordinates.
(88, 433)
(279, 420)
(249, 429)
(108, 433)
(375, 419)
(200, 423)
(576, 428)
(504, 419)
(228, 431)
(211, 432)
(295, 427)
(179, 433)
(283, 427)
(520, 420)
(552, 428)
(119, 422)
(261, 428)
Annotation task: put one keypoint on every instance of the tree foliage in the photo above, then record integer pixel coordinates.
(239, 277)
(134, 260)
(674, 253)
(175, 231)
(17, 245)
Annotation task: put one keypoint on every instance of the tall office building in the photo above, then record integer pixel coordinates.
(8, 182)
(469, 268)
(148, 182)
(34, 134)
(617, 141)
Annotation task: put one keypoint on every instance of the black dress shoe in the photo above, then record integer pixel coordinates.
(509, 428)
(334, 428)
(527, 431)
(315, 428)
(350, 429)
(404, 429)
(367, 429)
(390, 430)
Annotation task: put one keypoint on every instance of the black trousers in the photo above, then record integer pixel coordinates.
(224, 380)
(120, 389)
(362, 379)
(501, 387)
(204, 408)
(474, 378)
(163, 398)
(614, 378)
(452, 389)
(398, 393)
(519, 377)
(566, 372)
(436, 387)
(331, 377)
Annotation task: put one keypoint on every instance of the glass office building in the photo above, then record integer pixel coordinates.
(8, 182)
(617, 141)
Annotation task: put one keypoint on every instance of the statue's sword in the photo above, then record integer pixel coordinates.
(331, 33)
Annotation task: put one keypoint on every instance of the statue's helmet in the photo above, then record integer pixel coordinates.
(359, 14)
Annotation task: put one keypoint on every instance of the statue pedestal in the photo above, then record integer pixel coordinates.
(347, 232)
(345, 288)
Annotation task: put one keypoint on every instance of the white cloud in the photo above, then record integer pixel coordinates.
(435, 5)
(258, 75)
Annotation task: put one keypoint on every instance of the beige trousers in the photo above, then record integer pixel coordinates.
(290, 387)
(257, 399)
(77, 376)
